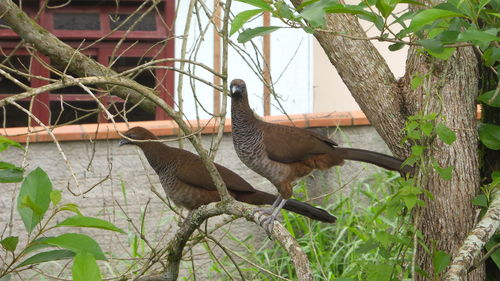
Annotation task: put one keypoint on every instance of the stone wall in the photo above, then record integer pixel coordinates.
(126, 191)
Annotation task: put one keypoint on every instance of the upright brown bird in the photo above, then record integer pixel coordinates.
(187, 183)
(283, 154)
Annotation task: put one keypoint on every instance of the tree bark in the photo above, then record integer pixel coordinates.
(453, 89)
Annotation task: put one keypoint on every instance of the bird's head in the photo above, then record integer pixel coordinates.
(136, 133)
(237, 88)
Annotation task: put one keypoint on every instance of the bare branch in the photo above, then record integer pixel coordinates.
(474, 243)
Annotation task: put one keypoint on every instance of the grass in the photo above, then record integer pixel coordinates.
(372, 239)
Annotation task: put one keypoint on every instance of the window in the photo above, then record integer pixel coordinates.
(76, 21)
(87, 21)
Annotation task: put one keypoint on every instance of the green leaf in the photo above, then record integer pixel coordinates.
(85, 268)
(6, 142)
(489, 135)
(496, 255)
(445, 54)
(71, 207)
(283, 11)
(55, 196)
(416, 81)
(6, 277)
(383, 237)
(250, 33)
(491, 56)
(445, 134)
(10, 173)
(10, 243)
(429, 16)
(53, 255)
(410, 200)
(427, 128)
(478, 37)
(83, 221)
(440, 260)
(357, 10)
(315, 12)
(445, 173)
(37, 245)
(34, 198)
(417, 150)
(433, 45)
(386, 7)
(480, 201)
(396, 46)
(367, 246)
(77, 243)
(241, 18)
(26, 202)
(379, 271)
(491, 98)
(258, 3)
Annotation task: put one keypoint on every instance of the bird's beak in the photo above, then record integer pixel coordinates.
(234, 90)
(124, 142)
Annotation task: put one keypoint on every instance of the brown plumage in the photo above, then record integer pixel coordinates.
(283, 154)
(187, 183)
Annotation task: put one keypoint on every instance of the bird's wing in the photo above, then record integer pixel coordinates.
(291, 144)
(192, 171)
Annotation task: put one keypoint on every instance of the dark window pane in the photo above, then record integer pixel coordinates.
(77, 21)
(19, 63)
(92, 3)
(84, 111)
(148, 22)
(13, 116)
(145, 77)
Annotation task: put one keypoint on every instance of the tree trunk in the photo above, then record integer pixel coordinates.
(452, 91)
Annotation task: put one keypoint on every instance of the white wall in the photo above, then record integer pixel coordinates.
(291, 65)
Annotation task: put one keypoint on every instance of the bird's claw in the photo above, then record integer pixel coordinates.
(266, 219)
(268, 223)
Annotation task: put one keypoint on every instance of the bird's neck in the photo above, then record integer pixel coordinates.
(241, 111)
(156, 153)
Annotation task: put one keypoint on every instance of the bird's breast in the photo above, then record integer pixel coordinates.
(249, 145)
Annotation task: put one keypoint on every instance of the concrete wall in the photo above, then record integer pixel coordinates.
(93, 161)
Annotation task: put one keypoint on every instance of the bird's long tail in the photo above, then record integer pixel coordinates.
(263, 198)
(379, 159)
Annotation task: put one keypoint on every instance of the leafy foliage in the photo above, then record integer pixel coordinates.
(33, 203)
(33, 200)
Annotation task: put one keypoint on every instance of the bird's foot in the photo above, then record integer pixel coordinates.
(266, 219)
(265, 211)
(268, 223)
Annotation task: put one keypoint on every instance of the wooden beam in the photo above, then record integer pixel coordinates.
(266, 71)
(217, 55)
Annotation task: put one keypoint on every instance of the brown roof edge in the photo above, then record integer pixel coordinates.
(170, 128)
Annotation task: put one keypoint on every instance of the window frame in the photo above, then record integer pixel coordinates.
(103, 50)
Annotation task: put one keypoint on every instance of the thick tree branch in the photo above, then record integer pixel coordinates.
(61, 53)
(471, 249)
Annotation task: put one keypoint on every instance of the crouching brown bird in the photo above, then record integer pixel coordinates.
(283, 154)
(187, 183)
